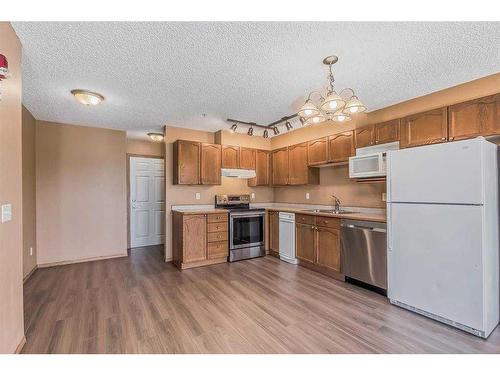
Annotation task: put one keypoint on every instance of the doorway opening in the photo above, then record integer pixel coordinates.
(146, 203)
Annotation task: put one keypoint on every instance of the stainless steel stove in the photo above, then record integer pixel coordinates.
(246, 226)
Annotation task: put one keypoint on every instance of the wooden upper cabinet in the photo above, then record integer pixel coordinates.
(364, 136)
(247, 158)
(424, 128)
(341, 147)
(297, 164)
(386, 132)
(194, 238)
(317, 151)
(328, 248)
(280, 166)
(474, 117)
(186, 158)
(210, 164)
(230, 157)
(261, 169)
(305, 243)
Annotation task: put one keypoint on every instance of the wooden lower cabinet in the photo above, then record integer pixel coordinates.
(199, 239)
(274, 231)
(317, 244)
(304, 242)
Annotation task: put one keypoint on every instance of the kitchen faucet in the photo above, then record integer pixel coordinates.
(337, 203)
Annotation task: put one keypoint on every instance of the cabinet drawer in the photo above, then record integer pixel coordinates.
(217, 249)
(304, 219)
(328, 222)
(217, 236)
(216, 218)
(217, 227)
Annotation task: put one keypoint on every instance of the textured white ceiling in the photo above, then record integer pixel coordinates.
(172, 73)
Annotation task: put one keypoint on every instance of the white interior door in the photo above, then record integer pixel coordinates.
(147, 201)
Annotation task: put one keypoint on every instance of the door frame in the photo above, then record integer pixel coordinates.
(128, 190)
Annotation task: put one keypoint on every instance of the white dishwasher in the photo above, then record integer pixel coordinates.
(287, 237)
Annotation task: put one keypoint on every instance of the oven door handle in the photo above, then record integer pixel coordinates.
(244, 214)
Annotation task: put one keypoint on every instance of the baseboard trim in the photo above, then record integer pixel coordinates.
(66, 262)
(30, 273)
(21, 345)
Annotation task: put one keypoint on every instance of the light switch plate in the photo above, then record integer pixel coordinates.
(197, 196)
(252, 195)
(6, 212)
(307, 195)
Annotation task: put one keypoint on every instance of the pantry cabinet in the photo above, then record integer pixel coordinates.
(341, 147)
(424, 128)
(474, 117)
(262, 169)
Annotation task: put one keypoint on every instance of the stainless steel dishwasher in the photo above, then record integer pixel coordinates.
(364, 252)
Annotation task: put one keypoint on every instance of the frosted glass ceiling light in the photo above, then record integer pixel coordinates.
(354, 105)
(87, 97)
(308, 109)
(157, 137)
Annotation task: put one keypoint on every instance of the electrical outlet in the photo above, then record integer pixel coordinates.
(6, 212)
(197, 196)
(384, 197)
(31, 251)
(307, 196)
(252, 195)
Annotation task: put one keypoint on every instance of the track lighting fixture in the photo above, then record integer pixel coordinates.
(276, 130)
(266, 134)
(250, 131)
(233, 127)
(288, 126)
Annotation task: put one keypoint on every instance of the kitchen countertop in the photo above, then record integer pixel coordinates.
(381, 218)
(200, 211)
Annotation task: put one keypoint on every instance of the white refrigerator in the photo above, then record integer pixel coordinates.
(443, 237)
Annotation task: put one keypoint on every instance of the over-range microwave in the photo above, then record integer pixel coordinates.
(370, 161)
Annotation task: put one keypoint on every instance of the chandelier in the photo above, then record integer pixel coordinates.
(332, 106)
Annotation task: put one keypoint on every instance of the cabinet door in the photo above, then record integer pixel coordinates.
(341, 146)
(280, 166)
(363, 137)
(210, 164)
(274, 231)
(328, 248)
(261, 169)
(474, 117)
(186, 163)
(247, 158)
(387, 131)
(317, 151)
(230, 157)
(304, 242)
(194, 238)
(298, 170)
(424, 128)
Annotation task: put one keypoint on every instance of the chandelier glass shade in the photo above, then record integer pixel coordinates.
(331, 106)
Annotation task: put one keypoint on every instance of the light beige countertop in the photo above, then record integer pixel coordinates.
(381, 218)
(200, 211)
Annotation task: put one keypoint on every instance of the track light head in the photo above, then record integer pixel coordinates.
(233, 127)
(288, 126)
(250, 131)
(276, 130)
(266, 134)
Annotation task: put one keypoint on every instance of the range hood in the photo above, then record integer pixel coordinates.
(237, 173)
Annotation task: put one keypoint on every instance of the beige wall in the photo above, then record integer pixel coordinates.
(146, 148)
(225, 137)
(184, 194)
(80, 192)
(11, 236)
(334, 180)
(29, 193)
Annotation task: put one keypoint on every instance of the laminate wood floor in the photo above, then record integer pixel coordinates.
(139, 304)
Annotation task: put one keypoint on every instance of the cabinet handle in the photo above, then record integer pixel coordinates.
(443, 138)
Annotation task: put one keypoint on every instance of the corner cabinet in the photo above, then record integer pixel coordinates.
(196, 163)
(199, 239)
(262, 169)
(424, 128)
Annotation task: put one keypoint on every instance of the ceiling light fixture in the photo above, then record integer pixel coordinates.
(266, 134)
(233, 127)
(86, 97)
(288, 126)
(331, 106)
(157, 137)
(250, 131)
(276, 130)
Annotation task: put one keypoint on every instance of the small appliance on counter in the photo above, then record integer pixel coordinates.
(246, 226)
